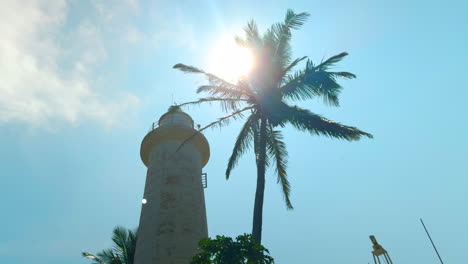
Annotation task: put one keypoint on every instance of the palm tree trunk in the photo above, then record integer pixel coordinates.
(259, 193)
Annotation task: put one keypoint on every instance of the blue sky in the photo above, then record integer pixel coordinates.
(82, 81)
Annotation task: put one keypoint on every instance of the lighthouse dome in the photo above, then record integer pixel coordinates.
(175, 117)
(175, 125)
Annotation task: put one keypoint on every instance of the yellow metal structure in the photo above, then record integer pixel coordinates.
(378, 251)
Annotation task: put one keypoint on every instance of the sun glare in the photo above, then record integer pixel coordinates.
(230, 61)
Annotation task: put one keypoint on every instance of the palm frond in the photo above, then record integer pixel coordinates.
(227, 104)
(219, 87)
(122, 252)
(110, 257)
(252, 37)
(344, 75)
(280, 37)
(223, 91)
(295, 21)
(223, 121)
(280, 33)
(187, 68)
(212, 79)
(220, 82)
(240, 41)
(314, 81)
(305, 120)
(277, 151)
(242, 144)
(306, 84)
(293, 64)
(92, 257)
(276, 52)
(332, 61)
(120, 239)
(131, 242)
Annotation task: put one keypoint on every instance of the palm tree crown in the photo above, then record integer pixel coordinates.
(266, 95)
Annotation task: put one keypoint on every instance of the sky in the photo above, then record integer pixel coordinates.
(82, 82)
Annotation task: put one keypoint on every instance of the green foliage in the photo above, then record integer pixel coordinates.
(122, 252)
(224, 250)
(276, 149)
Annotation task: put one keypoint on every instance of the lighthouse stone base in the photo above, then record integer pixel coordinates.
(173, 220)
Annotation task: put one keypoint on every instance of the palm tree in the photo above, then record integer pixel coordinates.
(122, 252)
(266, 95)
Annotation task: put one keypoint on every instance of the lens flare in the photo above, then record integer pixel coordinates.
(230, 61)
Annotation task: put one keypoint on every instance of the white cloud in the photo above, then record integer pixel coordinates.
(46, 70)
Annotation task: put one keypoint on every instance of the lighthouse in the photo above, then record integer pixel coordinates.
(173, 214)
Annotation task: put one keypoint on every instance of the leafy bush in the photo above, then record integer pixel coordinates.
(224, 250)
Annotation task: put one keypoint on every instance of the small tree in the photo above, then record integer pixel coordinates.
(224, 250)
(122, 252)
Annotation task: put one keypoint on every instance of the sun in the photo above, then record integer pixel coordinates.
(230, 61)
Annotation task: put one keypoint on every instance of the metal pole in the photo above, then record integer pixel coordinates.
(427, 232)
(386, 258)
(391, 262)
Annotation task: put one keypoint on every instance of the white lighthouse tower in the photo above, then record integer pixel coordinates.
(173, 214)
